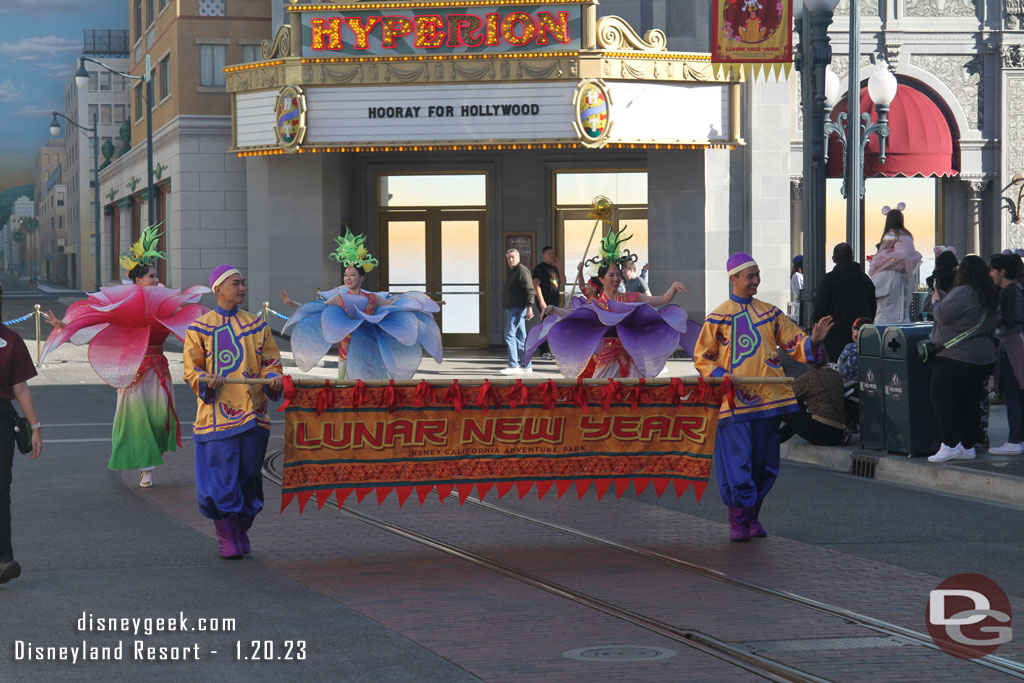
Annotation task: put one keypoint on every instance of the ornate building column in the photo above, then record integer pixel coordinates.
(796, 203)
(975, 194)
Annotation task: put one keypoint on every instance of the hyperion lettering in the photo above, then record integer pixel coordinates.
(436, 31)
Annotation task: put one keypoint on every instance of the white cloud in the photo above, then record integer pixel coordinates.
(41, 47)
(40, 7)
(35, 111)
(10, 91)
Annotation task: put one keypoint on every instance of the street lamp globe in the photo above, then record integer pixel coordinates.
(54, 126)
(81, 76)
(821, 5)
(882, 87)
(833, 88)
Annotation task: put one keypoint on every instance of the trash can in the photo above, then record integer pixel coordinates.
(872, 397)
(910, 424)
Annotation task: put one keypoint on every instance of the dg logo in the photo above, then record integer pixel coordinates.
(969, 616)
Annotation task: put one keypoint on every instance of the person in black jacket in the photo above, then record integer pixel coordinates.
(517, 298)
(846, 293)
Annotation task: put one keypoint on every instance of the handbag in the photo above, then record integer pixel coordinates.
(22, 434)
(927, 349)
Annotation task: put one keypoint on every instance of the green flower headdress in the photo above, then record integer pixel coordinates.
(352, 251)
(144, 250)
(610, 250)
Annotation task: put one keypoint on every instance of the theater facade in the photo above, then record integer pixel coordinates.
(448, 132)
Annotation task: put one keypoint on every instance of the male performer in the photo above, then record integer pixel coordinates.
(742, 338)
(232, 426)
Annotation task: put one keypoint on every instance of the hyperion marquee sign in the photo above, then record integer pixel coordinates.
(439, 28)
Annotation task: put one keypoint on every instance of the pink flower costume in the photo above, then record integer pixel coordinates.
(125, 327)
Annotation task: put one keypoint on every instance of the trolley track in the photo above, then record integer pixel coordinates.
(736, 656)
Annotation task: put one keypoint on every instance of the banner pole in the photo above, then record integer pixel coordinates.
(504, 381)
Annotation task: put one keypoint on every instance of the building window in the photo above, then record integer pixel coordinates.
(119, 113)
(211, 65)
(94, 81)
(162, 5)
(212, 8)
(93, 112)
(137, 15)
(251, 53)
(138, 102)
(105, 113)
(165, 77)
(104, 81)
(60, 221)
(150, 15)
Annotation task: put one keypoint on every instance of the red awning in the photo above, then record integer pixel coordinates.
(920, 142)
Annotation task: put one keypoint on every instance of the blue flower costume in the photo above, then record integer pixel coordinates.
(379, 337)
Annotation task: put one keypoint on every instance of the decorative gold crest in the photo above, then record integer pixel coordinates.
(290, 117)
(592, 106)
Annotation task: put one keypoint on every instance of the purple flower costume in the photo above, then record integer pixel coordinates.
(648, 335)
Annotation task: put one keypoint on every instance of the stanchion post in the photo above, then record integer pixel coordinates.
(266, 312)
(39, 331)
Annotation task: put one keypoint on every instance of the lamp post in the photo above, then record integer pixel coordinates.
(82, 81)
(95, 131)
(882, 88)
(813, 18)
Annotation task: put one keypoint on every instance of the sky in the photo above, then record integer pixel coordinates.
(40, 41)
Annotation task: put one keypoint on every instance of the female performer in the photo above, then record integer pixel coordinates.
(611, 333)
(125, 327)
(377, 337)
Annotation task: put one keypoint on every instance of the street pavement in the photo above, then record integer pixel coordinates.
(328, 596)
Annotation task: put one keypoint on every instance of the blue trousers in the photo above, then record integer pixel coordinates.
(515, 337)
(1014, 398)
(747, 460)
(228, 478)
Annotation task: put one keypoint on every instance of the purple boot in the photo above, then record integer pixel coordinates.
(739, 527)
(226, 543)
(756, 530)
(244, 524)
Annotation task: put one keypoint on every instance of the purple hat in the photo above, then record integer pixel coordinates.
(222, 273)
(739, 261)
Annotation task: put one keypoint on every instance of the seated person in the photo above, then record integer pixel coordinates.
(848, 362)
(821, 419)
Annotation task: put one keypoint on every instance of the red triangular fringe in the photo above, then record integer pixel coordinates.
(342, 495)
(523, 487)
(423, 491)
(698, 489)
(620, 486)
(641, 485)
(403, 493)
(543, 487)
(581, 487)
(601, 485)
(382, 493)
(322, 497)
(444, 490)
(563, 485)
(660, 485)
(363, 492)
(285, 499)
(464, 491)
(504, 487)
(482, 489)
(304, 497)
(680, 485)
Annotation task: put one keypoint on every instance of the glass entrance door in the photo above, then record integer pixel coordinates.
(575, 230)
(441, 252)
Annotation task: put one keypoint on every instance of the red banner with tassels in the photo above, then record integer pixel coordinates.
(498, 438)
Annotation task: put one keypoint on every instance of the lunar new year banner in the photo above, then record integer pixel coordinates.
(752, 35)
(405, 439)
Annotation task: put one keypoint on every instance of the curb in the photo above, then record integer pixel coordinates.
(987, 486)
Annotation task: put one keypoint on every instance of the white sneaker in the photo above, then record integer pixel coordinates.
(946, 453)
(1008, 449)
(511, 371)
(145, 478)
(526, 370)
(966, 453)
